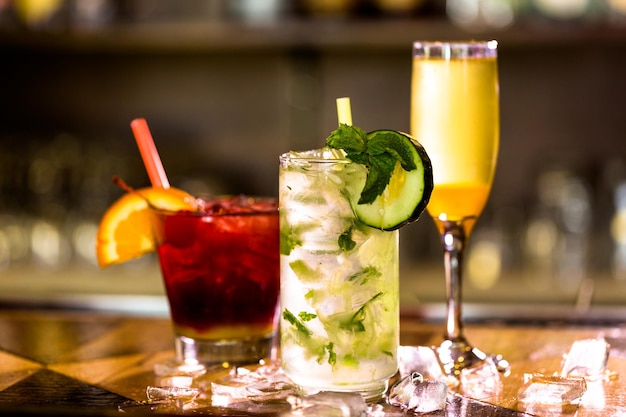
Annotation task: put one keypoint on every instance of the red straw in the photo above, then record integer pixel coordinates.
(149, 153)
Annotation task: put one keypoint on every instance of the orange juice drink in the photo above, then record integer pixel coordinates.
(455, 115)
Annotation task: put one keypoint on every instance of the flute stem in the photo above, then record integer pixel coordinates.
(455, 353)
(453, 239)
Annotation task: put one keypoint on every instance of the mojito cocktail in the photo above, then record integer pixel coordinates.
(339, 279)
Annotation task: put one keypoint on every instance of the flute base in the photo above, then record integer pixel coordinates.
(456, 355)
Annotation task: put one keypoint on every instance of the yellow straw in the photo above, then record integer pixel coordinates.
(344, 113)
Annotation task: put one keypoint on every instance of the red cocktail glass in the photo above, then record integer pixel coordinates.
(221, 274)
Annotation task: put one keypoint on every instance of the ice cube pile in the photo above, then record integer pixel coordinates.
(584, 364)
(420, 388)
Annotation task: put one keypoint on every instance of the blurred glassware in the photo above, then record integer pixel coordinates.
(329, 8)
(35, 13)
(479, 15)
(258, 11)
(398, 7)
(14, 239)
(563, 9)
(558, 230)
(485, 258)
(91, 13)
(616, 11)
(49, 245)
(618, 232)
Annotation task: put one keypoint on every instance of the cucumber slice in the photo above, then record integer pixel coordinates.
(405, 196)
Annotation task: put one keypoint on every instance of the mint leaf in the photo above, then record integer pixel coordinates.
(345, 241)
(380, 169)
(355, 324)
(288, 315)
(351, 139)
(304, 316)
(288, 241)
(332, 356)
(378, 151)
(386, 141)
(364, 275)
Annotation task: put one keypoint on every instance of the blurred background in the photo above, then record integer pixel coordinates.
(228, 85)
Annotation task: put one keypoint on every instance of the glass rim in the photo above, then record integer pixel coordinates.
(291, 157)
(250, 211)
(455, 49)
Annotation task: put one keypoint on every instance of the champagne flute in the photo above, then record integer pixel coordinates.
(455, 115)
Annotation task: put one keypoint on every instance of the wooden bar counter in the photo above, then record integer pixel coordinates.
(88, 363)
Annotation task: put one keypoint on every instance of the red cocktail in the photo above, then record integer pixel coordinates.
(221, 273)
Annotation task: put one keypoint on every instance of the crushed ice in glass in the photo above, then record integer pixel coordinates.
(414, 393)
(586, 358)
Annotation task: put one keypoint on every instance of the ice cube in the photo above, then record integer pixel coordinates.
(179, 381)
(329, 404)
(265, 383)
(481, 380)
(420, 359)
(171, 393)
(551, 390)
(414, 393)
(586, 358)
(424, 360)
(173, 367)
(383, 410)
(595, 397)
(224, 395)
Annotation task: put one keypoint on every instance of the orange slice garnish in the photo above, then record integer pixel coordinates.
(130, 227)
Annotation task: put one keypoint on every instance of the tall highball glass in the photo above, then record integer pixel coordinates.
(340, 320)
(455, 115)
